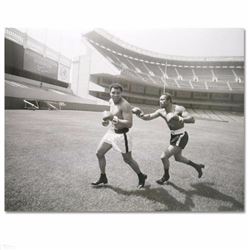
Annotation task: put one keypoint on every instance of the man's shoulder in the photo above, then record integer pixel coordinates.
(179, 108)
(125, 103)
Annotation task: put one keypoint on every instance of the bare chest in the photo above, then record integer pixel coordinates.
(172, 122)
(116, 110)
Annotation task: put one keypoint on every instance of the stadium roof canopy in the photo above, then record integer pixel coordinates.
(110, 42)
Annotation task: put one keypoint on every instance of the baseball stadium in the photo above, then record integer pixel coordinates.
(53, 124)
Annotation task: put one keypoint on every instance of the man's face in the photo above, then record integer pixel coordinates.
(164, 102)
(116, 95)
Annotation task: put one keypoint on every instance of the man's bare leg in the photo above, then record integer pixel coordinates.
(102, 149)
(198, 167)
(127, 157)
(171, 150)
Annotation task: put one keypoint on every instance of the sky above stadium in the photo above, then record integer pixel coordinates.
(187, 42)
(178, 42)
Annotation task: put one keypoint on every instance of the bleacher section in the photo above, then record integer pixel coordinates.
(186, 73)
(203, 74)
(197, 83)
(224, 74)
(37, 77)
(153, 69)
(192, 81)
(18, 91)
(22, 61)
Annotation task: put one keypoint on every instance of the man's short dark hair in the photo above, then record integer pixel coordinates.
(115, 86)
(168, 96)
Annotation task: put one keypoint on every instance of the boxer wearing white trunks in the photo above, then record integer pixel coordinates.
(118, 136)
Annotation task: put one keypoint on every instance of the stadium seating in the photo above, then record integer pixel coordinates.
(145, 74)
(236, 85)
(203, 73)
(184, 78)
(200, 75)
(186, 73)
(199, 85)
(184, 84)
(156, 69)
(224, 74)
(220, 85)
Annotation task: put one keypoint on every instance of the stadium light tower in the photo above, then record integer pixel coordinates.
(165, 78)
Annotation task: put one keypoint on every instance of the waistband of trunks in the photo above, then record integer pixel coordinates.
(177, 131)
(121, 131)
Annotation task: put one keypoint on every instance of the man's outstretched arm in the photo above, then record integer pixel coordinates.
(148, 117)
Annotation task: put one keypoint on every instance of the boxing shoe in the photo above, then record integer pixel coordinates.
(164, 179)
(199, 168)
(102, 180)
(142, 177)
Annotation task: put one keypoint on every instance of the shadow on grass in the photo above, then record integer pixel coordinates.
(156, 195)
(205, 190)
(161, 195)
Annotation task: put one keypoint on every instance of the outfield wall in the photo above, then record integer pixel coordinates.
(18, 103)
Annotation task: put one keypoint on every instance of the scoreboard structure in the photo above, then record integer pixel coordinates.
(27, 57)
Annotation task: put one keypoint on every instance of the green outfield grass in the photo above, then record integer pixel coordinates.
(50, 162)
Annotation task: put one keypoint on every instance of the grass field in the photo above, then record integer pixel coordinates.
(50, 162)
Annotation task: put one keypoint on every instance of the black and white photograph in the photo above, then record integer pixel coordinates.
(96, 123)
(124, 125)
